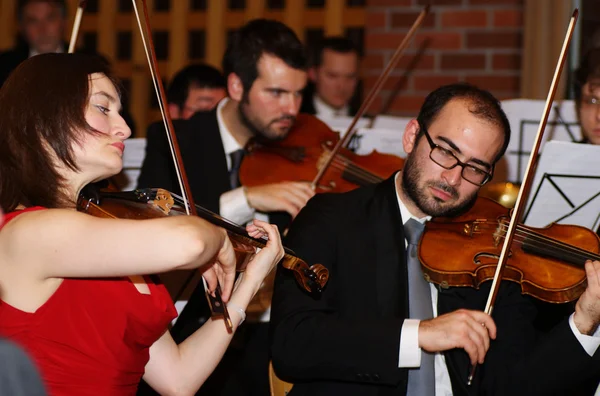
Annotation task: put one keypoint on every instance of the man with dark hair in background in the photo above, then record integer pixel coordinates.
(265, 72)
(41, 27)
(333, 75)
(587, 96)
(196, 87)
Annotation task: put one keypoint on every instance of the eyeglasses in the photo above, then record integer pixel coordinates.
(447, 160)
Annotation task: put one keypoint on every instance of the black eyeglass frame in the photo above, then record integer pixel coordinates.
(435, 146)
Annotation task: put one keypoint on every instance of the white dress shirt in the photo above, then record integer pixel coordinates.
(59, 50)
(322, 109)
(409, 355)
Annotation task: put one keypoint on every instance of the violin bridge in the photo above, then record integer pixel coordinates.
(500, 232)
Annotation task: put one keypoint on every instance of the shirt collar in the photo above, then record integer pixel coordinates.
(324, 110)
(229, 143)
(404, 212)
(59, 50)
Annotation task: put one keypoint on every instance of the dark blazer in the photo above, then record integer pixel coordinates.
(10, 59)
(346, 341)
(18, 375)
(203, 157)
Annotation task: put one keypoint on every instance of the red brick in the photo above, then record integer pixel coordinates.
(434, 3)
(508, 18)
(376, 19)
(462, 62)
(496, 2)
(445, 40)
(408, 60)
(391, 83)
(383, 40)
(388, 3)
(495, 82)
(407, 19)
(373, 61)
(493, 40)
(464, 19)
(430, 82)
(506, 62)
(418, 61)
(405, 105)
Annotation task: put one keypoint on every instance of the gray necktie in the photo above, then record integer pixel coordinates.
(421, 381)
(234, 173)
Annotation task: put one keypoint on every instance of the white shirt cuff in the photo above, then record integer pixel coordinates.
(410, 353)
(589, 343)
(234, 206)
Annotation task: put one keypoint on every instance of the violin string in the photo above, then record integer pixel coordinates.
(346, 165)
(544, 241)
(361, 176)
(557, 244)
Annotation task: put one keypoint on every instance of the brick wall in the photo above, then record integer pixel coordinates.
(477, 41)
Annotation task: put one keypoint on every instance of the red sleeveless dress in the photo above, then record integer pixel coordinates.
(92, 336)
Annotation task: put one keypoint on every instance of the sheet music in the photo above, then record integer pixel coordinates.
(566, 187)
(133, 156)
(524, 118)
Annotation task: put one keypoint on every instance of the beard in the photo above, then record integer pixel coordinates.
(432, 206)
(264, 131)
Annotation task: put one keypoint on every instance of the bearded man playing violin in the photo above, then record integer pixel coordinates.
(265, 70)
(374, 331)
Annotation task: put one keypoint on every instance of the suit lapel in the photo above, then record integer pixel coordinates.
(389, 257)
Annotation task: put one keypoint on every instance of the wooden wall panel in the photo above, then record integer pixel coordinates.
(111, 32)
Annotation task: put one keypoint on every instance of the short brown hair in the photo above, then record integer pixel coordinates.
(43, 106)
(588, 71)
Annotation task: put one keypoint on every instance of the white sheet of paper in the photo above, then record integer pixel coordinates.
(388, 141)
(524, 117)
(567, 180)
(133, 156)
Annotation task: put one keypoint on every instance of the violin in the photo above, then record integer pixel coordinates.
(154, 203)
(547, 262)
(300, 155)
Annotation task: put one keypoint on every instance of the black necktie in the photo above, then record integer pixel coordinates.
(421, 381)
(234, 173)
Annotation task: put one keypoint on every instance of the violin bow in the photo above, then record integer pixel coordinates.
(351, 131)
(216, 302)
(76, 25)
(528, 177)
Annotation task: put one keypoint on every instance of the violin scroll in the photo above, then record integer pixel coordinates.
(313, 279)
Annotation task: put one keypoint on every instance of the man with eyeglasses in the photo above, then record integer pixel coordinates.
(379, 328)
(587, 96)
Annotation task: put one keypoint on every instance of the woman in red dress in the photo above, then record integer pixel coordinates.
(73, 288)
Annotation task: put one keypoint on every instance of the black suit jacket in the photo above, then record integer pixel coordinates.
(203, 157)
(10, 59)
(346, 341)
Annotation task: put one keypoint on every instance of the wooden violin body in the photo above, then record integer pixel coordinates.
(299, 156)
(153, 203)
(547, 262)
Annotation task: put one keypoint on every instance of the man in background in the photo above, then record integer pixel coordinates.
(587, 96)
(334, 77)
(196, 87)
(42, 26)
